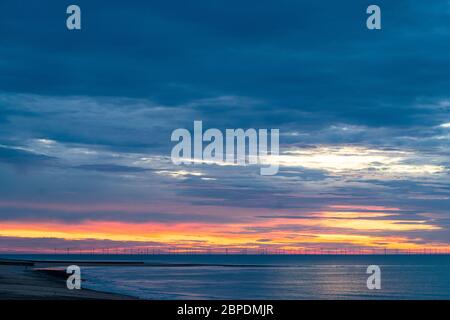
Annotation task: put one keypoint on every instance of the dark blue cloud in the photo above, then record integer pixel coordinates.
(110, 168)
(19, 157)
(315, 57)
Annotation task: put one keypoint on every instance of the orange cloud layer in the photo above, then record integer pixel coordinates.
(277, 233)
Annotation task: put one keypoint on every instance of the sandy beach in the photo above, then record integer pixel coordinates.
(20, 281)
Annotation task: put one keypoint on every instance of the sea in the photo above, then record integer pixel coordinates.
(279, 277)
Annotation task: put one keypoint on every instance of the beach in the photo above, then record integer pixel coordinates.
(19, 281)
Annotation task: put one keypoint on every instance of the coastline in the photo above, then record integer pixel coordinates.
(42, 277)
(36, 279)
(20, 281)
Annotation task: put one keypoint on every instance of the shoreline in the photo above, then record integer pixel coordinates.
(44, 277)
(19, 281)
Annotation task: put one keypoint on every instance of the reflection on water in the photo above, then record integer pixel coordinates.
(278, 277)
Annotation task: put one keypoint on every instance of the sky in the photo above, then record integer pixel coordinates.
(86, 118)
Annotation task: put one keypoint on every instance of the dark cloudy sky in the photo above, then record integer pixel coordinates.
(86, 118)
